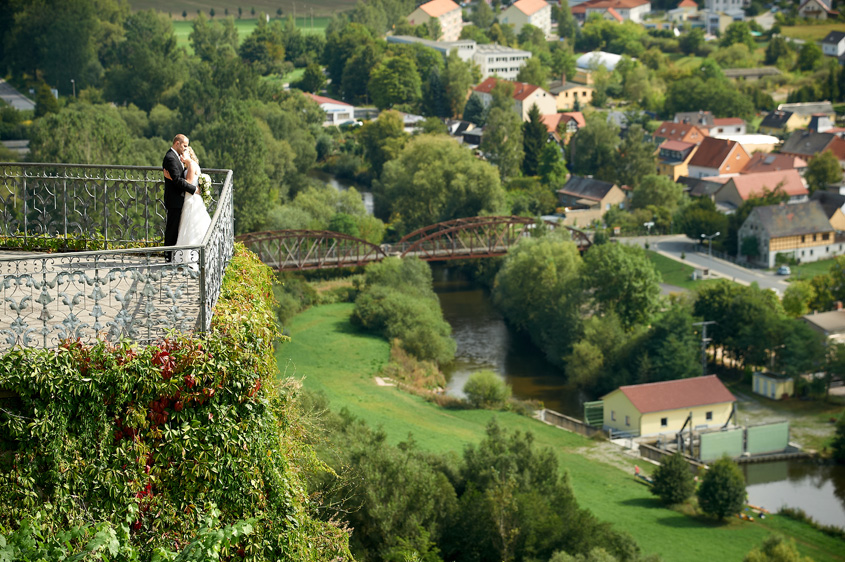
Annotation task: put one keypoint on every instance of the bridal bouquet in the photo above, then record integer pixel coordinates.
(204, 184)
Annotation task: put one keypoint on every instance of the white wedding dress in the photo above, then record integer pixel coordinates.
(193, 225)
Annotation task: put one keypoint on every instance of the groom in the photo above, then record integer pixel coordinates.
(174, 190)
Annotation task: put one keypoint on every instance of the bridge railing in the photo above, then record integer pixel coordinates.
(122, 287)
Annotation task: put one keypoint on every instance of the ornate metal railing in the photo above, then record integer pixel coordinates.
(124, 290)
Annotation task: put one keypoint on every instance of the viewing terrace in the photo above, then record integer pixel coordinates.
(82, 258)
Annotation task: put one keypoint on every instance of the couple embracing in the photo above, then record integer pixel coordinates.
(187, 218)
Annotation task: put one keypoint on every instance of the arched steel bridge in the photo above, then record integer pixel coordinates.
(474, 237)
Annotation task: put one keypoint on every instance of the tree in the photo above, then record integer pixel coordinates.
(636, 158)
(738, 32)
(486, 389)
(534, 135)
(809, 56)
(800, 349)
(482, 15)
(394, 80)
(552, 168)
(776, 549)
(658, 191)
(502, 141)
(722, 490)
(691, 41)
(45, 101)
(566, 25)
(823, 170)
(593, 148)
(434, 179)
(434, 100)
(474, 111)
(672, 481)
(382, 140)
(457, 79)
(778, 52)
(313, 79)
(533, 73)
(213, 40)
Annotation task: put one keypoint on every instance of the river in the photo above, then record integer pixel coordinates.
(486, 342)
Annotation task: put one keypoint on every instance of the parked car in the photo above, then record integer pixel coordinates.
(784, 270)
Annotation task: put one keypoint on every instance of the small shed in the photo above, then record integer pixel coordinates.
(772, 385)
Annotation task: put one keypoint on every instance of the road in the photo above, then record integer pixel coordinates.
(14, 97)
(672, 246)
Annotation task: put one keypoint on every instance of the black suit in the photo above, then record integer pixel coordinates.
(174, 196)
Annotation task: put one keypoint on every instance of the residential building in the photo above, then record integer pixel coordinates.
(801, 232)
(682, 132)
(337, 112)
(717, 157)
(806, 110)
(496, 60)
(702, 187)
(751, 143)
(715, 23)
(705, 121)
(528, 12)
(816, 9)
(524, 96)
(663, 407)
(466, 48)
(622, 10)
(820, 123)
(673, 158)
(831, 323)
(446, 12)
(741, 188)
(568, 93)
(833, 205)
(833, 45)
(807, 145)
(563, 125)
(763, 162)
(724, 5)
(586, 200)
(779, 123)
(772, 385)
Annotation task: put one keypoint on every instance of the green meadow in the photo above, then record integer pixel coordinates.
(332, 357)
(182, 28)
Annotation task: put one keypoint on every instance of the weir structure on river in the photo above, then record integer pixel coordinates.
(473, 237)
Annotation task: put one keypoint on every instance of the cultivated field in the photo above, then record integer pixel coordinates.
(811, 32)
(182, 28)
(175, 8)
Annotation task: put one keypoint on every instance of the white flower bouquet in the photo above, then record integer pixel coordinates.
(204, 185)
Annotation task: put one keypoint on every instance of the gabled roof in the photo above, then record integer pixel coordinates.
(576, 116)
(771, 161)
(678, 146)
(713, 152)
(723, 121)
(437, 8)
(521, 90)
(776, 119)
(810, 143)
(615, 15)
(829, 323)
(676, 131)
(792, 220)
(753, 185)
(322, 99)
(673, 395)
(834, 37)
(688, 4)
(823, 3)
(529, 7)
(700, 187)
(700, 118)
(808, 108)
(586, 188)
(829, 201)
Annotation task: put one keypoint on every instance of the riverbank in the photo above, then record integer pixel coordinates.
(330, 356)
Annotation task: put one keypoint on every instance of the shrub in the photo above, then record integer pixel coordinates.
(722, 490)
(672, 481)
(485, 389)
(775, 549)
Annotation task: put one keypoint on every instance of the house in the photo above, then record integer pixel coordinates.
(833, 205)
(682, 132)
(496, 60)
(833, 45)
(446, 12)
(741, 188)
(563, 125)
(816, 9)
(779, 123)
(701, 187)
(586, 200)
(727, 126)
(570, 95)
(831, 323)
(673, 158)
(773, 386)
(807, 145)
(763, 162)
(705, 121)
(751, 143)
(801, 232)
(715, 23)
(717, 157)
(528, 12)
(804, 111)
(663, 407)
(524, 96)
(820, 123)
(633, 10)
(337, 112)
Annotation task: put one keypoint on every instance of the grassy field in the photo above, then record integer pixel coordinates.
(182, 29)
(674, 272)
(811, 32)
(176, 7)
(809, 270)
(330, 356)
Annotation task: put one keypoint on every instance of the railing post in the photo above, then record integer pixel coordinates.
(203, 295)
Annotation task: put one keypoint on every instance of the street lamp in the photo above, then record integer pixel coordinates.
(710, 243)
(73, 84)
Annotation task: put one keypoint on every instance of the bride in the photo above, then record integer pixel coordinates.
(194, 221)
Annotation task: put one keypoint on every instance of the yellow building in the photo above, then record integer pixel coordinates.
(773, 386)
(673, 158)
(663, 407)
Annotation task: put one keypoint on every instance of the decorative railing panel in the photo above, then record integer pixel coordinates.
(125, 291)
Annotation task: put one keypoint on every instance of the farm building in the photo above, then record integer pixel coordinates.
(663, 407)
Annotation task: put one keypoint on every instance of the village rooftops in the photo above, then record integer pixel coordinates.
(810, 143)
(770, 162)
(586, 188)
(776, 119)
(712, 152)
(793, 220)
(808, 108)
(784, 181)
(830, 202)
(322, 99)
(682, 393)
(437, 8)
(529, 7)
(521, 90)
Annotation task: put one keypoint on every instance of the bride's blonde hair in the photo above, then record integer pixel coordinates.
(191, 155)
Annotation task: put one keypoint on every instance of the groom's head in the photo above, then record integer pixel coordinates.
(180, 142)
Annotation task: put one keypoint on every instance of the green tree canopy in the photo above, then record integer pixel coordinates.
(672, 481)
(383, 139)
(636, 159)
(593, 148)
(534, 135)
(486, 389)
(737, 32)
(394, 80)
(823, 170)
(722, 490)
(658, 191)
(776, 549)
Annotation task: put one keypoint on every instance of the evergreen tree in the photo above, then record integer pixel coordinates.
(534, 136)
(474, 111)
(434, 101)
(636, 158)
(722, 491)
(45, 101)
(672, 481)
(552, 166)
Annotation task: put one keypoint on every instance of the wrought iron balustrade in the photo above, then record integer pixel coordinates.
(124, 290)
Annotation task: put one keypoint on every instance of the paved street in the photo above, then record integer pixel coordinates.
(14, 98)
(696, 256)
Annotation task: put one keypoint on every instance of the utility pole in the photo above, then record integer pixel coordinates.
(704, 340)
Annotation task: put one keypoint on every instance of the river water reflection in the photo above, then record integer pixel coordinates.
(485, 342)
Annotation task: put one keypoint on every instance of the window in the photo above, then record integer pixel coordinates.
(627, 420)
(613, 415)
(814, 237)
(802, 238)
(826, 236)
(708, 416)
(664, 422)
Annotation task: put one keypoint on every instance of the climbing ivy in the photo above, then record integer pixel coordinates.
(139, 445)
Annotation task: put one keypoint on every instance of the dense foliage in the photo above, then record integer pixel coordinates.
(722, 489)
(672, 481)
(486, 389)
(162, 446)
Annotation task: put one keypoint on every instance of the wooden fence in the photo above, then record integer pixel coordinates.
(571, 424)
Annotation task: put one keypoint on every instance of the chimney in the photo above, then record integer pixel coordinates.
(563, 79)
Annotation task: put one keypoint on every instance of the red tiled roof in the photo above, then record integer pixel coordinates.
(770, 162)
(521, 90)
(437, 8)
(722, 121)
(614, 14)
(529, 7)
(688, 4)
(673, 395)
(323, 99)
(712, 152)
(670, 130)
(577, 116)
(618, 4)
(751, 185)
(837, 147)
(680, 146)
(552, 121)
